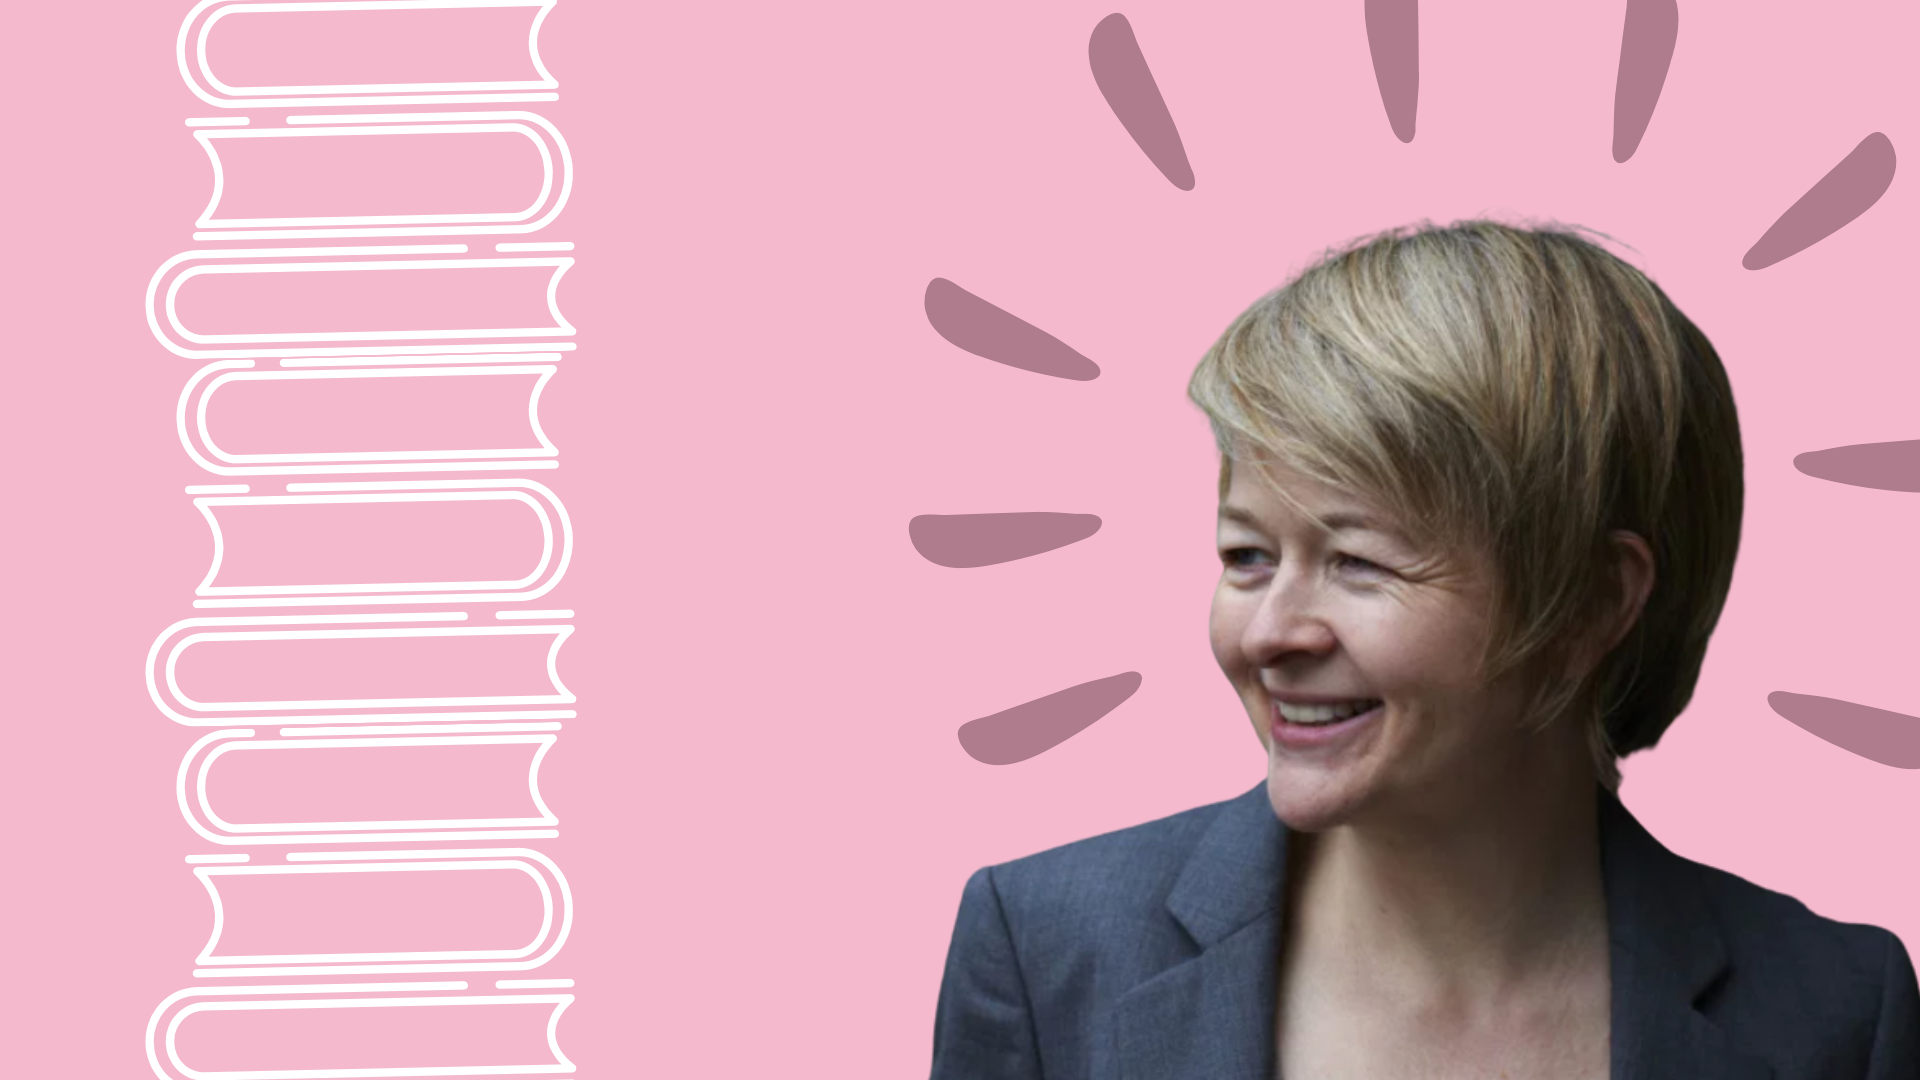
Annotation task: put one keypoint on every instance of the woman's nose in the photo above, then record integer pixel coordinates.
(1288, 624)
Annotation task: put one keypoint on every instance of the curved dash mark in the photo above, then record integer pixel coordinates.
(1889, 738)
(1120, 70)
(1646, 51)
(1889, 466)
(1393, 37)
(984, 330)
(1842, 195)
(1038, 726)
(966, 540)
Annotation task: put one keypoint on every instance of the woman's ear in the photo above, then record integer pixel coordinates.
(1614, 616)
(1633, 574)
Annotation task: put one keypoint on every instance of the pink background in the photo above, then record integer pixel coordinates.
(766, 817)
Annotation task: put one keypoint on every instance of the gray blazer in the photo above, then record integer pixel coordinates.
(1151, 954)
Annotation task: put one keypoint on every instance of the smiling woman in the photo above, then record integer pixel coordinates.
(1356, 653)
(1480, 499)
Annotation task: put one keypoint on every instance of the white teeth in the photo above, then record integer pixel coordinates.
(1322, 714)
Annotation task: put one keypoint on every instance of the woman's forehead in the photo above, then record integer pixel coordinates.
(1260, 489)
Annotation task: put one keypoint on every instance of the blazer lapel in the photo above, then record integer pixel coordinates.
(1666, 950)
(1211, 1017)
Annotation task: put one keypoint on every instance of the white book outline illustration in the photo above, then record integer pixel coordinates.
(163, 316)
(163, 691)
(446, 344)
(556, 550)
(162, 1045)
(197, 438)
(556, 186)
(556, 919)
(197, 806)
(190, 54)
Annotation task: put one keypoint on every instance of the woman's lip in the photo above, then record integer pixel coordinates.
(1317, 699)
(1321, 736)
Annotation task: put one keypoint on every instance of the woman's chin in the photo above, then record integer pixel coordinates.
(1311, 799)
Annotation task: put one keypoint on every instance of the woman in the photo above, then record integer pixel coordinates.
(1480, 498)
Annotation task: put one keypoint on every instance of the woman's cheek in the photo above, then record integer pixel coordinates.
(1226, 627)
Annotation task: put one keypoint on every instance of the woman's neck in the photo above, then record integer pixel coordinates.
(1467, 901)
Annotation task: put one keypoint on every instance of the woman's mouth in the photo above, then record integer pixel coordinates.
(1307, 727)
(1321, 715)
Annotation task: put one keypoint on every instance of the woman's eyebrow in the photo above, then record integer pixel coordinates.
(1336, 522)
(1240, 514)
(1351, 521)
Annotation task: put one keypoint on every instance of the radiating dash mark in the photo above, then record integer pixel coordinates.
(967, 540)
(1646, 51)
(1393, 37)
(1843, 194)
(1888, 466)
(984, 330)
(1120, 70)
(1889, 738)
(1038, 726)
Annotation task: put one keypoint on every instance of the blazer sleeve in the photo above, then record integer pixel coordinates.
(983, 1025)
(1896, 1039)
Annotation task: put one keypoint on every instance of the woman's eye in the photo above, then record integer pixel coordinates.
(1243, 558)
(1359, 565)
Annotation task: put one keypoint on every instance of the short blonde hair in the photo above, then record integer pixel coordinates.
(1520, 392)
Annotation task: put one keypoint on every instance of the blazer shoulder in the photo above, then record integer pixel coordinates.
(1763, 925)
(1130, 868)
(1847, 987)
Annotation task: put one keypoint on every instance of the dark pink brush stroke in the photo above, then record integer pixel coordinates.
(1889, 466)
(985, 330)
(1393, 36)
(1032, 729)
(1848, 191)
(1889, 738)
(1120, 70)
(1646, 51)
(964, 540)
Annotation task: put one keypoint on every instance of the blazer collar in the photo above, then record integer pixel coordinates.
(1211, 1017)
(1666, 952)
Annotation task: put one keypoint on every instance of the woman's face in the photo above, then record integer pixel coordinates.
(1355, 656)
